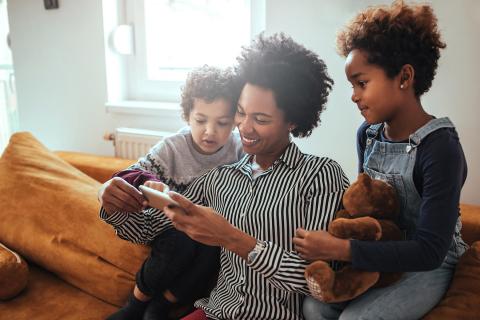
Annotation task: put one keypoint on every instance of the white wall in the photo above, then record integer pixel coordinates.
(59, 66)
(60, 71)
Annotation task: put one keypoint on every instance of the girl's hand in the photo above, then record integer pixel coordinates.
(157, 185)
(118, 195)
(321, 245)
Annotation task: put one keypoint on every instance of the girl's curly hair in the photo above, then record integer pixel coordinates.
(395, 35)
(209, 83)
(297, 77)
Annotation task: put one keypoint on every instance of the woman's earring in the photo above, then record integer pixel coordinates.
(402, 86)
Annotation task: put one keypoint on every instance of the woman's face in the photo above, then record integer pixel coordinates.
(377, 96)
(262, 125)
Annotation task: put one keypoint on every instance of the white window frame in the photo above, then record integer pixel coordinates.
(138, 94)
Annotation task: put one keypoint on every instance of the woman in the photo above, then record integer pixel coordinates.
(252, 208)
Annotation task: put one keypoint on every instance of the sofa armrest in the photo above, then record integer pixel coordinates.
(100, 168)
(470, 215)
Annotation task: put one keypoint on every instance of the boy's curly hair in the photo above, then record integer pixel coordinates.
(395, 35)
(209, 83)
(297, 77)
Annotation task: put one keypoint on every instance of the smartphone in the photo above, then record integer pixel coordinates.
(157, 199)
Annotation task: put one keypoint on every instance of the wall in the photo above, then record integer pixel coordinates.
(58, 60)
(60, 71)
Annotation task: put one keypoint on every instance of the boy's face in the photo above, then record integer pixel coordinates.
(211, 124)
(377, 96)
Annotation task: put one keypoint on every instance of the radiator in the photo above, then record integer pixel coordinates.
(133, 143)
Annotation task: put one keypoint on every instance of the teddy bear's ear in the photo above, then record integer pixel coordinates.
(365, 180)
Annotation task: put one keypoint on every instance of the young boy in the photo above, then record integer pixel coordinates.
(209, 101)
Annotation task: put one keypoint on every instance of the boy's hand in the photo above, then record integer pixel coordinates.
(157, 185)
(118, 195)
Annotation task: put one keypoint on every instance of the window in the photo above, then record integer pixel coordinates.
(9, 122)
(168, 38)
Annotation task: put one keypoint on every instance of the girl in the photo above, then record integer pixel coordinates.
(208, 103)
(391, 57)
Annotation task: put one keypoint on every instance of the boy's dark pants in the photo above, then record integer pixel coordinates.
(179, 264)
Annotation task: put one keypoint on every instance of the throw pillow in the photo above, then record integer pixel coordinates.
(13, 273)
(50, 216)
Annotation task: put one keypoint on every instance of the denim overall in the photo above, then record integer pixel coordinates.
(394, 163)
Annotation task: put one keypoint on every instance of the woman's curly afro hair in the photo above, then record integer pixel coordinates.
(297, 77)
(396, 35)
(209, 83)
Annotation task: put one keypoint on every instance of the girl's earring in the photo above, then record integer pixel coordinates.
(402, 86)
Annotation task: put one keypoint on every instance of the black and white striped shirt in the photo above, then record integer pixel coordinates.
(298, 190)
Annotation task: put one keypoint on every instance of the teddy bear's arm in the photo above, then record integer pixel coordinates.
(343, 214)
(390, 231)
(364, 228)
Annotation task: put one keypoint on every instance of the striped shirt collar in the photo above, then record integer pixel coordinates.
(291, 158)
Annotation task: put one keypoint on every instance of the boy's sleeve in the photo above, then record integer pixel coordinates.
(285, 269)
(143, 227)
(136, 177)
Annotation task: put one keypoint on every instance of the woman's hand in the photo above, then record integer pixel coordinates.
(118, 195)
(200, 223)
(321, 245)
(205, 225)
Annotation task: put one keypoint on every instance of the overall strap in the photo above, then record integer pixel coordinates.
(373, 130)
(428, 128)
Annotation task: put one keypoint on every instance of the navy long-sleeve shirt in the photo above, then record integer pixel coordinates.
(439, 173)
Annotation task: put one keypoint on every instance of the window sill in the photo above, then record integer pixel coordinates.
(143, 108)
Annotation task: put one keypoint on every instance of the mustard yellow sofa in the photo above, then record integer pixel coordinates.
(79, 269)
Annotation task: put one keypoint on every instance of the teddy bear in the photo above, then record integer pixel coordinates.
(370, 209)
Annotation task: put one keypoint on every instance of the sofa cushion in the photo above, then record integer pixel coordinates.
(13, 273)
(101, 168)
(470, 215)
(50, 216)
(462, 300)
(47, 298)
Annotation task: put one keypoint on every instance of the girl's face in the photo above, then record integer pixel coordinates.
(261, 123)
(378, 97)
(211, 124)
